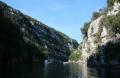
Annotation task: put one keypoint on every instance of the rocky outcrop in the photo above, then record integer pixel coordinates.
(24, 39)
(102, 43)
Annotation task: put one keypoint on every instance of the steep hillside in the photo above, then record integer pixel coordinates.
(101, 42)
(24, 39)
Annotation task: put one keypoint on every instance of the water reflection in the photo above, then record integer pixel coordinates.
(53, 70)
(57, 70)
(21, 71)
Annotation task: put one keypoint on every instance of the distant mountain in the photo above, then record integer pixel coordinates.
(24, 39)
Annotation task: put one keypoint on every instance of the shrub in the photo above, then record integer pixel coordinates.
(98, 52)
(84, 30)
(95, 15)
(75, 56)
(103, 10)
(98, 35)
(98, 49)
(112, 23)
(98, 38)
(110, 2)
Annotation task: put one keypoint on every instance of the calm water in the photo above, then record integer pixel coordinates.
(57, 70)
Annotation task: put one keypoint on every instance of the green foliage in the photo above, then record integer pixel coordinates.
(98, 52)
(98, 49)
(23, 38)
(84, 30)
(14, 48)
(95, 15)
(98, 35)
(112, 23)
(75, 56)
(103, 11)
(111, 2)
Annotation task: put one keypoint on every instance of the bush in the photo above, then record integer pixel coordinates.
(95, 15)
(110, 2)
(75, 56)
(103, 10)
(98, 49)
(112, 23)
(98, 35)
(84, 30)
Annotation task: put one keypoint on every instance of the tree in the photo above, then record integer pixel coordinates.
(84, 30)
(95, 15)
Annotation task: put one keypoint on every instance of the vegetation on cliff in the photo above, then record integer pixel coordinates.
(84, 30)
(112, 23)
(75, 55)
(24, 39)
(104, 42)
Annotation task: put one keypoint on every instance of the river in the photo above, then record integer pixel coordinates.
(57, 70)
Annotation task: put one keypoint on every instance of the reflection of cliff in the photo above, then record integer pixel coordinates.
(84, 71)
(24, 39)
(101, 42)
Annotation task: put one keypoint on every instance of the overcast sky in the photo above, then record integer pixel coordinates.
(67, 16)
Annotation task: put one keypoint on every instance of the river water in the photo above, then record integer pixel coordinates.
(57, 70)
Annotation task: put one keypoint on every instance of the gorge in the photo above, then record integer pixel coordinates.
(32, 49)
(24, 39)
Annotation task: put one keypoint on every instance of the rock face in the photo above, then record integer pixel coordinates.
(102, 43)
(24, 39)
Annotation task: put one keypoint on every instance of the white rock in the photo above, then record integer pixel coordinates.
(93, 29)
(115, 10)
(104, 32)
(88, 44)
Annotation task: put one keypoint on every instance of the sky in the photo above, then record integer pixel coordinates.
(67, 16)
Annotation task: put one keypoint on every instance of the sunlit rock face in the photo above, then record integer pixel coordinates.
(98, 45)
(24, 39)
(115, 10)
(89, 45)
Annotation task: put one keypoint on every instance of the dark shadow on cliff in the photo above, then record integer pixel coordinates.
(12, 46)
(109, 54)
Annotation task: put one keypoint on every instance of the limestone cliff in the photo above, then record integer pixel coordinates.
(24, 39)
(101, 43)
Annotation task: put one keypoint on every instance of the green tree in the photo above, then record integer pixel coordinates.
(84, 30)
(95, 15)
